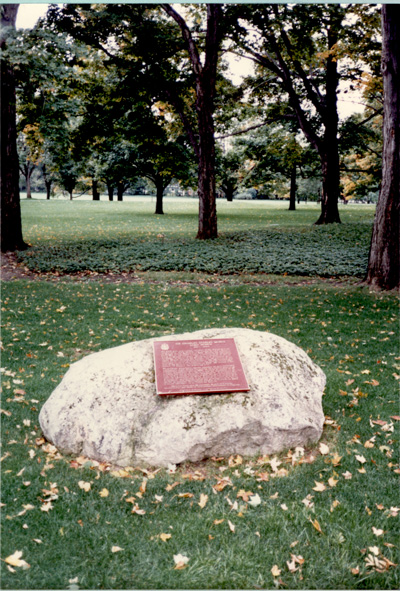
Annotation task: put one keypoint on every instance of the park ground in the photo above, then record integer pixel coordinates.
(102, 274)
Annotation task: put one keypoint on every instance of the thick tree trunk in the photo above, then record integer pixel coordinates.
(329, 149)
(330, 188)
(293, 189)
(206, 173)
(205, 73)
(384, 262)
(95, 190)
(11, 227)
(120, 191)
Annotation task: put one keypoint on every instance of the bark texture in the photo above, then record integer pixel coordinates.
(11, 227)
(384, 262)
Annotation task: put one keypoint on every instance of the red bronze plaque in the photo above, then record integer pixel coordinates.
(208, 366)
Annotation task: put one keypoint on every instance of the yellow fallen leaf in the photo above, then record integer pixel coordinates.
(334, 505)
(165, 537)
(231, 526)
(116, 549)
(316, 525)
(275, 570)
(332, 481)
(203, 500)
(245, 495)
(355, 571)
(86, 486)
(104, 492)
(186, 495)
(218, 521)
(319, 486)
(16, 560)
(235, 461)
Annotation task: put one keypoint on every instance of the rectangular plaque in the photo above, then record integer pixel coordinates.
(207, 366)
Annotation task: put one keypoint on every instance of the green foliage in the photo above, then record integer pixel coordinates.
(98, 239)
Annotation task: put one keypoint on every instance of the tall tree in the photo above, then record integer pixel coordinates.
(302, 49)
(205, 75)
(384, 263)
(11, 226)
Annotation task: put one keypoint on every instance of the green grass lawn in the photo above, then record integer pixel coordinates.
(328, 520)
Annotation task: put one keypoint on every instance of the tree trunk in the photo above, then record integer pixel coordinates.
(47, 182)
(28, 174)
(110, 190)
(384, 262)
(293, 188)
(329, 149)
(120, 191)
(205, 73)
(206, 173)
(95, 190)
(159, 196)
(11, 227)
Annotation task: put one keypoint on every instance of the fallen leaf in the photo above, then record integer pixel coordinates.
(360, 459)
(255, 500)
(276, 571)
(115, 549)
(231, 526)
(235, 461)
(169, 487)
(332, 481)
(316, 525)
(355, 571)
(165, 537)
(137, 510)
(245, 495)
(86, 486)
(218, 521)
(334, 505)
(180, 561)
(347, 475)
(284, 507)
(16, 560)
(319, 486)
(46, 507)
(324, 449)
(203, 500)
(377, 532)
(104, 492)
(186, 495)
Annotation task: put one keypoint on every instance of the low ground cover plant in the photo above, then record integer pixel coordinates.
(322, 517)
(259, 239)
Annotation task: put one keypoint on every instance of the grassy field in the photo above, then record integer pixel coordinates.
(255, 237)
(328, 520)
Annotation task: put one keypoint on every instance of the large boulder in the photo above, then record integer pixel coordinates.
(106, 407)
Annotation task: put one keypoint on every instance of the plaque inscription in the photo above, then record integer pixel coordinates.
(198, 367)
